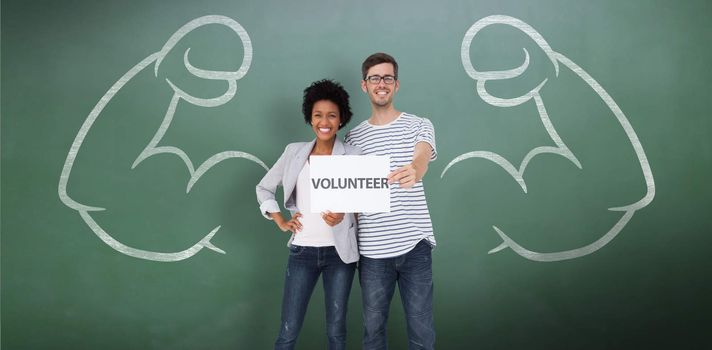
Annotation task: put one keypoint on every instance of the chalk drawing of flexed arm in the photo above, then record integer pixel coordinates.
(154, 146)
(517, 171)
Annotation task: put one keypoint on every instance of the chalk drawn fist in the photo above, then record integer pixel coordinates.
(115, 159)
(539, 99)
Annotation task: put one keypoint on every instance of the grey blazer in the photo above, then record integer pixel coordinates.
(285, 172)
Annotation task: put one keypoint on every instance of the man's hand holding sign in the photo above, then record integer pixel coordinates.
(409, 174)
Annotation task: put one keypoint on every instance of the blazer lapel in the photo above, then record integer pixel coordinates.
(338, 148)
(295, 166)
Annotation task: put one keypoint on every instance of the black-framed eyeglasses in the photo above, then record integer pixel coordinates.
(375, 79)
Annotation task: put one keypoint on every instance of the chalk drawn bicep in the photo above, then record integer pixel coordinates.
(152, 141)
(543, 103)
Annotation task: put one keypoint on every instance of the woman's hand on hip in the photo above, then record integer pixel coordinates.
(292, 224)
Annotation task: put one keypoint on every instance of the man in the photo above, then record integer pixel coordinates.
(396, 247)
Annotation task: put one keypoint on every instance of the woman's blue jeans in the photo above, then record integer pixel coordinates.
(304, 266)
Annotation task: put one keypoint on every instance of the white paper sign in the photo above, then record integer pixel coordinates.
(349, 184)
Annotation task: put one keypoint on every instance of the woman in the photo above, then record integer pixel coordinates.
(321, 244)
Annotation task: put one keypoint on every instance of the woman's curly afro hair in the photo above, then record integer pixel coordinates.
(327, 90)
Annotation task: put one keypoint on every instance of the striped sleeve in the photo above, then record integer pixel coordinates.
(426, 133)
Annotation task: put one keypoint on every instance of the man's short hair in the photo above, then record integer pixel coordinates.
(327, 90)
(378, 58)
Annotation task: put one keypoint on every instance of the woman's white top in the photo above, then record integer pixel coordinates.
(315, 232)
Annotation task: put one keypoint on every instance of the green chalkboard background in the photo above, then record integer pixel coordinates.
(64, 288)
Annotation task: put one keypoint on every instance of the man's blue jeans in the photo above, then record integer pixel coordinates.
(414, 275)
(304, 266)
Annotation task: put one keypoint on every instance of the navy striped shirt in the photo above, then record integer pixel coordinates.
(385, 235)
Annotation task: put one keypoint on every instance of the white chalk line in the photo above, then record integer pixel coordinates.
(560, 147)
(152, 148)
